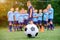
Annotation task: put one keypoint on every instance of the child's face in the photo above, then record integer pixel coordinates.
(40, 11)
(49, 6)
(28, 3)
(12, 9)
(35, 11)
(17, 9)
(22, 10)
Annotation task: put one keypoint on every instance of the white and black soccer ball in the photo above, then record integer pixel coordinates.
(31, 30)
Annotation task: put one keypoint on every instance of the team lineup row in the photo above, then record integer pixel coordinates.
(22, 17)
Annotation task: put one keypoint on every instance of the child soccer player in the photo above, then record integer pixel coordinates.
(50, 17)
(23, 13)
(21, 20)
(35, 15)
(45, 18)
(10, 16)
(26, 18)
(40, 18)
(16, 14)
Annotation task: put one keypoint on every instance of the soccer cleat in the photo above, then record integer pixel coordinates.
(42, 29)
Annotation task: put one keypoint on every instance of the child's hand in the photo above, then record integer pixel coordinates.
(30, 16)
(10, 23)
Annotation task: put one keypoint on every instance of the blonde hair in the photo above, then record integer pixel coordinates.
(28, 2)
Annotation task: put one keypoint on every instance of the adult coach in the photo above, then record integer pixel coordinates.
(30, 10)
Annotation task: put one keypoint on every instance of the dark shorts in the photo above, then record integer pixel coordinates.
(39, 22)
(12, 22)
(35, 22)
(45, 22)
(25, 22)
(21, 23)
(50, 20)
(30, 19)
(15, 22)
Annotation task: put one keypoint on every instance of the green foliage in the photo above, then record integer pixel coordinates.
(4, 8)
(55, 4)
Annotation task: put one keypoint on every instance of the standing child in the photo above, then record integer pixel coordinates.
(26, 17)
(35, 16)
(45, 18)
(40, 18)
(16, 14)
(21, 20)
(50, 18)
(23, 13)
(10, 16)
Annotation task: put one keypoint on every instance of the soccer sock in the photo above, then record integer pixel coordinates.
(45, 27)
(10, 27)
(51, 26)
(40, 26)
(14, 28)
(17, 28)
(21, 28)
(48, 27)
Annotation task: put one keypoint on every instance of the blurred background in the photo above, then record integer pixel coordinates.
(5, 5)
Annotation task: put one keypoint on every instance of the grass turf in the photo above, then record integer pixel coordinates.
(19, 35)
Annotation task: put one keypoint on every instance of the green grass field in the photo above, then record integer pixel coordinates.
(47, 35)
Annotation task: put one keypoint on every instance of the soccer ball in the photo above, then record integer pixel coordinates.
(31, 30)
